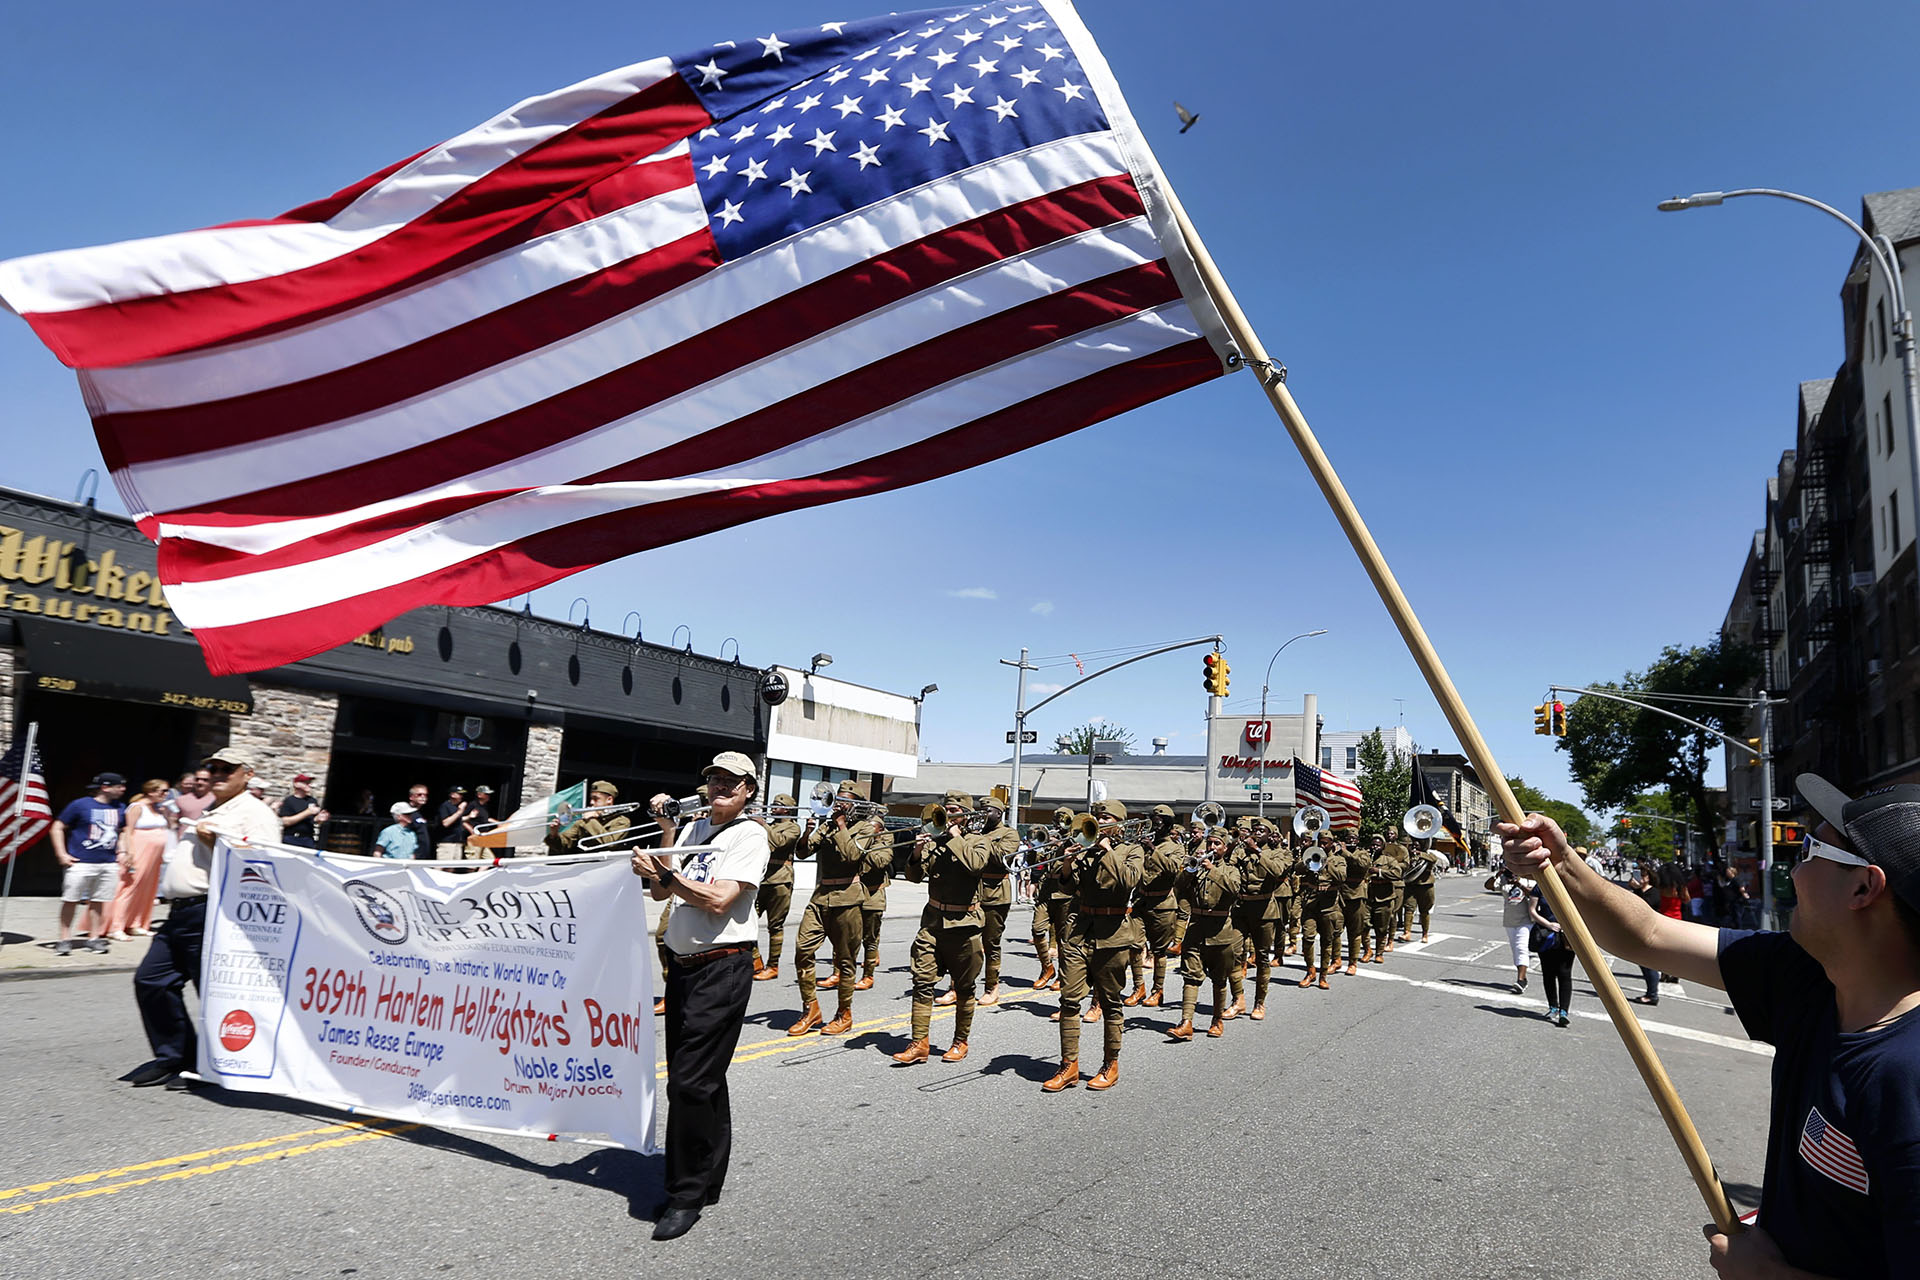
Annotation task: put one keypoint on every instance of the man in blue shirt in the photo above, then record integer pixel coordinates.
(1838, 997)
(88, 838)
(399, 840)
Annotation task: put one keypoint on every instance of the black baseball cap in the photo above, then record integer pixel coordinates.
(1882, 826)
(108, 780)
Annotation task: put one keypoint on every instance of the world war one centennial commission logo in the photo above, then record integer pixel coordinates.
(378, 911)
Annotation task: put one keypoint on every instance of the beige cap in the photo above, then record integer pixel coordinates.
(230, 755)
(605, 788)
(736, 763)
(785, 801)
(959, 800)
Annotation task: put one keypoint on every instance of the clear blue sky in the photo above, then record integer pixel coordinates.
(1555, 406)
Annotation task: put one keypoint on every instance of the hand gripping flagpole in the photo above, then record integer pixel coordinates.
(1272, 378)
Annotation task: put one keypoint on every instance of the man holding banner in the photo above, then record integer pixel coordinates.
(709, 948)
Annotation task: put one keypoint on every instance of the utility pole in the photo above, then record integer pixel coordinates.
(1019, 730)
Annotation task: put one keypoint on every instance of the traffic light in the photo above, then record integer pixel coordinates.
(1214, 674)
(1542, 722)
(1785, 833)
(1753, 745)
(1627, 823)
(1557, 719)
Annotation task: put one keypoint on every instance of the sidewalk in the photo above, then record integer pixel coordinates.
(32, 925)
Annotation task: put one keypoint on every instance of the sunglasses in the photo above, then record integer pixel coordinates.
(1810, 847)
(721, 783)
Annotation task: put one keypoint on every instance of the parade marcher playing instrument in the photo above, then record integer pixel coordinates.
(1157, 904)
(842, 849)
(948, 859)
(1101, 934)
(1209, 885)
(775, 898)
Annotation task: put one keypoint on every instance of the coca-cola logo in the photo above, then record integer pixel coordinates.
(236, 1030)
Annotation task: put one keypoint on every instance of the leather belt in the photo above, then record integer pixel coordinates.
(186, 901)
(835, 884)
(1227, 912)
(948, 906)
(1106, 911)
(1256, 897)
(699, 958)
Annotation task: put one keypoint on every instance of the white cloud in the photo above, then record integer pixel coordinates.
(1039, 686)
(1042, 607)
(975, 593)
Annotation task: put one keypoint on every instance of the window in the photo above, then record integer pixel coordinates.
(1893, 520)
(1899, 743)
(1353, 759)
(1886, 417)
(1326, 757)
(1880, 320)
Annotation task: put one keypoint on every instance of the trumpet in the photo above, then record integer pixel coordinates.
(824, 800)
(684, 811)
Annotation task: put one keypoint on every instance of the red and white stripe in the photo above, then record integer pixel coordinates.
(22, 822)
(1832, 1152)
(519, 355)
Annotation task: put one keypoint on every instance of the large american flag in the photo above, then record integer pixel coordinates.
(1328, 790)
(22, 820)
(692, 292)
(1832, 1152)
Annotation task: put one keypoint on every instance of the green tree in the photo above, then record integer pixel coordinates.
(1386, 784)
(1617, 751)
(1572, 819)
(1077, 741)
(1650, 838)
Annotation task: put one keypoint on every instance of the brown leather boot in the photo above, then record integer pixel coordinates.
(1092, 1014)
(659, 1006)
(1234, 1010)
(1134, 997)
(1054, 1016)
(990, 996)
(809, 1019)
(1108, 1077)
(1259, 1013)
(1389, 950)
(1380, 957)
(767, 974)
(1323, 982)
(829, 982)
(1154, 998)
(1183, 1032)
(1066, 1078)
(841, 1024)
(1046, 976)
(1312, 976)
(1217, 1028)
(1352, 968)
(956, 1053)
(915, 1052)
(865, 984)
(1366, 957)
(949, 996)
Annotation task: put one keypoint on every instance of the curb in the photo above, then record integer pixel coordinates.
(29, 975)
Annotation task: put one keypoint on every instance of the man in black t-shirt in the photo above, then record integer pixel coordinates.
(301, 814)
(1839, 999)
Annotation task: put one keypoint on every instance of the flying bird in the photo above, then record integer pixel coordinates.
(1187, 118)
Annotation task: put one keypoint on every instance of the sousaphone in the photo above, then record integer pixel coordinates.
(1311, 820)
(1422, 822)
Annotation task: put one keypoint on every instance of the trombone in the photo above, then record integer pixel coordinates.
(687, 808)
(824, 800)
(500, 828)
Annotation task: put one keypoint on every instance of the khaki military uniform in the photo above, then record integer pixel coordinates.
(873, 911)
(1353, 902)
(567, 840)
(1422, 865)
(1286, 902)
(775, 896)
(1213, 945)
(1257, 915)
(1320, 909)
(1100, 935)
(950, 926)
(833, 914)
(1046, 936)
(1383, 897)
(1158, 906)
(996, 898)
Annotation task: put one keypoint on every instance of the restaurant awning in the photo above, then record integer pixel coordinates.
(69, 657)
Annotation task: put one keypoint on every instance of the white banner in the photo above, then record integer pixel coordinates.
(517, 999)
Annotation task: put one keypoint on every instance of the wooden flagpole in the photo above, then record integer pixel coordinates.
(1672, 1110)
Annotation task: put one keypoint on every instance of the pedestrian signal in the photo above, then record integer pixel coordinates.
(1785, 833)
(1542, 722)
(1557, 719)
(1214, 674)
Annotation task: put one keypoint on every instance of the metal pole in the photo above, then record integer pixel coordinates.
(1206, 777)
(1264, 681)
(1766, 811)
(1019, 732)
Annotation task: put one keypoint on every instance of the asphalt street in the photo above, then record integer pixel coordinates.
(1420, 1120)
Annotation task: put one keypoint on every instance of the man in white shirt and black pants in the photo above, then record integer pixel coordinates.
(709, 944)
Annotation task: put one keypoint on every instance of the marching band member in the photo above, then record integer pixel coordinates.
(1101, 934)
(776, 891)
(1157, 905)
(1383, 896)
(949, 860)
(842, 850)
(1209, 887)
(1322, 872)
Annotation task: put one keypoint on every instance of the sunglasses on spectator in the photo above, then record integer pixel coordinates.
(720, 783)
(1812, 847)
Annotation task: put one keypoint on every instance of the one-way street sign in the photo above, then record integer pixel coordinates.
(1026, 735)
(1779, 802)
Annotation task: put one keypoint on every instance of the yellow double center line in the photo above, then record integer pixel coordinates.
(106, 1182)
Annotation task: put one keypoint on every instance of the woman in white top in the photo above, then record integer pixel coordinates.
(150, 831)
(1516, 919)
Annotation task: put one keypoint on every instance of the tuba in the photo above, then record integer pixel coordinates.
(1422, 822)
(1311, 820)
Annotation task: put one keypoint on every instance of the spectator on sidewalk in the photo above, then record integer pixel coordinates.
(195, 798)
(401, 838)
(1641, 885)
(449, 825)
(479, 813)
(422, 825)
(1513, 919)
(90, 861)
(173, 958)
(301, 814)
(149, 834)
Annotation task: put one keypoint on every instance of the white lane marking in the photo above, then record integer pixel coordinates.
(1522, 1002)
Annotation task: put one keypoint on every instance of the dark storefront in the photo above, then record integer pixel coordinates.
(440, 696)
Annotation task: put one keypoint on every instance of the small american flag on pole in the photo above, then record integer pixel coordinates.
(692, 292)
(1832, 1152)
(1330, 791)
(25, 814)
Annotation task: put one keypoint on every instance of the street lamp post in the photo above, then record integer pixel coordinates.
(1888, 258)
(1261, 803)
